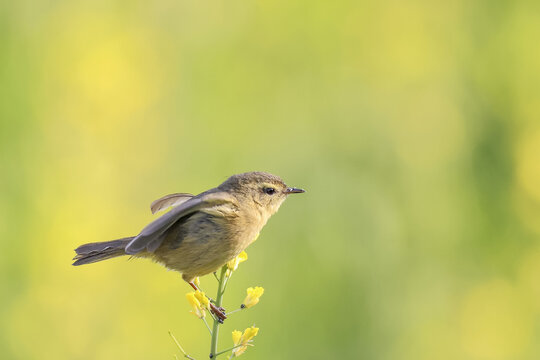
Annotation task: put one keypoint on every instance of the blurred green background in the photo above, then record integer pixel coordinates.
(414, 126)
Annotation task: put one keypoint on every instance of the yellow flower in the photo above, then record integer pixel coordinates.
(236, 337)
(233, 264)
(203, 299)
(250, 333)
(242, 340)
(197, 281)
(198, 308)
(253, 295)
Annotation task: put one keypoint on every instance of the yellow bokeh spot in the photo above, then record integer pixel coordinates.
(108, 74)
(529, 275)
(528, 164)
(495, 323)
(527, 208)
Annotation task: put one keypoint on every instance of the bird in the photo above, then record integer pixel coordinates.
(201, 232)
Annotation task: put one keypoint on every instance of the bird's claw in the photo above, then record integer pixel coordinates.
(219, 312)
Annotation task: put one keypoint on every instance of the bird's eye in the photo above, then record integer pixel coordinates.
(269, 190)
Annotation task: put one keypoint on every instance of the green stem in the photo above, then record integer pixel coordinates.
(219, 298)
(232, 348)
(234, 311)
(208, 327)
(180, 347)
(227, 278)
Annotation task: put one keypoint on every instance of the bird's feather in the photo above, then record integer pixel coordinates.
(150, 237)
(171, 200)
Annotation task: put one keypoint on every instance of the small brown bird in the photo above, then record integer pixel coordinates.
(201, 233)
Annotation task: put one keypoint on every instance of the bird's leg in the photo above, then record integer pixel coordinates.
(219, 312)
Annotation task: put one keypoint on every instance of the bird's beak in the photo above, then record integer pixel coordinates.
(292, 190)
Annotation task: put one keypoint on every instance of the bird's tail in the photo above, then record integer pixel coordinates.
(94, 252)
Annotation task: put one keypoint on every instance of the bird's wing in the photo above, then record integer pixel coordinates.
(169, 201)
(152, 231)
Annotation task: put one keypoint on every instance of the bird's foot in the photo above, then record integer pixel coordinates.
(219, 312)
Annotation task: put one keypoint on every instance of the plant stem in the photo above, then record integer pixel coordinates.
(219, 298)
(180, 347)
(232, 348)
(237, 310)
(208, 327)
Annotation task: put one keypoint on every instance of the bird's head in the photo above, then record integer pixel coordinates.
(266, 191)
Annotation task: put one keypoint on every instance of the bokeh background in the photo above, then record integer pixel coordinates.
(414, 126)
